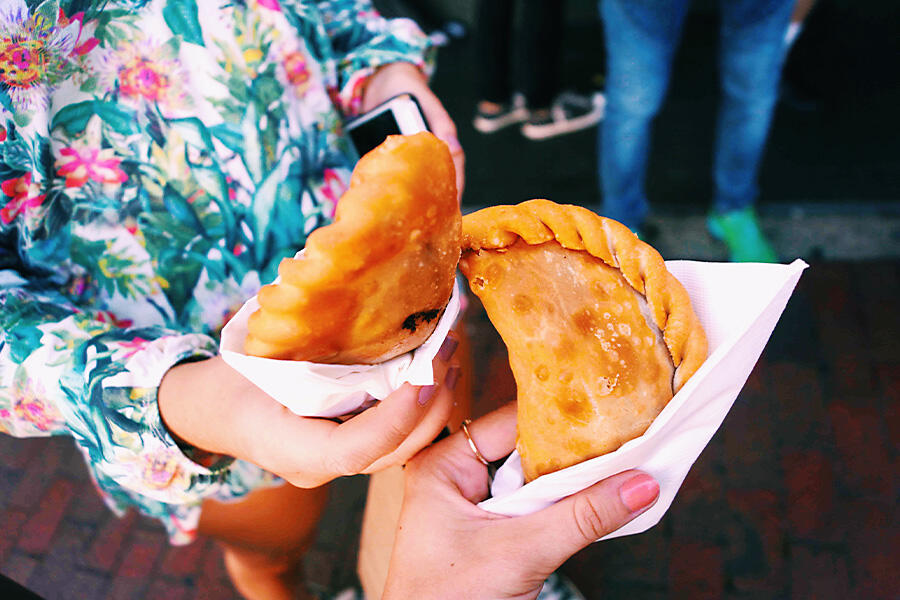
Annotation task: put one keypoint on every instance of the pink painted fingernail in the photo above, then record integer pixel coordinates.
(448, 348)
(451, 378)
(639, 492)
(426, 393)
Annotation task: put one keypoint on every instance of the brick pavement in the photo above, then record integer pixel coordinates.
(795, 497)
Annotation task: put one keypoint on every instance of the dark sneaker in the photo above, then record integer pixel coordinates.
(569, 112)
(507, 114)
(740, 231)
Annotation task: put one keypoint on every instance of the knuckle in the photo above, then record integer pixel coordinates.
(352, 464)
(396, 432)
(340, 464)
(592, 520)
(336, 465)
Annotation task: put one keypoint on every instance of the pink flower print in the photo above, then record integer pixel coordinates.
(144, 71)
(270, 4)
(24, 196)
(78, 285)
(2, 133)
(134, 346)
(159, 471)
(22, 62)
(141, 77)
(34, 50)
(332, 188)
(78, 166)
(86, 47)
(296, 71)
(32, 410)
(193, 197)
(83, 46)
(105, 316)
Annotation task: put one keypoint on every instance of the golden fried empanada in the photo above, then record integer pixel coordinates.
(373, 284)
(600, 335)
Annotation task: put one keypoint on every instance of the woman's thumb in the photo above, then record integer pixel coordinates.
(572, 523)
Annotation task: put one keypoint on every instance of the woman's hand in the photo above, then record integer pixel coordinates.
(447, 547)
(401, 77)
(211, 406)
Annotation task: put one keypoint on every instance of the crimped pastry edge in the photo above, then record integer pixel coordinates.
(577, 228)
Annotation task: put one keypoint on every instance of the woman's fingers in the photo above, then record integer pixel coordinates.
(440, 399)
(353, 446)
(428, 428)
(494, 435)
(310, 451)
(399, 426)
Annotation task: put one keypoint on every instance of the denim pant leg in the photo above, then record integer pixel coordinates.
(750, 60)
(641, 37)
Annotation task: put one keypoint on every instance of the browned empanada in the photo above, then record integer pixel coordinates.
(600, 335)
(373, 284)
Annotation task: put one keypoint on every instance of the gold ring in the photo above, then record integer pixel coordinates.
(478, 455)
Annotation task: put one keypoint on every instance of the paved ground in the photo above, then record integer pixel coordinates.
(795, 497)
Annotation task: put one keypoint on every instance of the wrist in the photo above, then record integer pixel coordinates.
(391, 79)
(196, 403)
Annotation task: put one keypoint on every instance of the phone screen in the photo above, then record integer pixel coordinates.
(370, 134)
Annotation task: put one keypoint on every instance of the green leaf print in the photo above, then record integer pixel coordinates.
(118, 117)
(212, 181)
(229, 135)
(74, 117)
(181, 17)
(17, 156)
(263, 204)
(194, 132)
(45, 15)
(179, 208)
(23, 341)
(253, 152)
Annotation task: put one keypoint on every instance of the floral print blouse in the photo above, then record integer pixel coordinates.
(158, 158)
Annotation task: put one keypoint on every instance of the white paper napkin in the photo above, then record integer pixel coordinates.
(323, 390)
(738, 305)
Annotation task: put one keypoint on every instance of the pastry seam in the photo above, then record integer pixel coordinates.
(576, 228)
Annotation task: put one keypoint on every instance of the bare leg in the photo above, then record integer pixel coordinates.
(264, 537)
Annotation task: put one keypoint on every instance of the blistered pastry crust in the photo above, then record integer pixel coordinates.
(373, 284)
(600, 335)
(576, 228)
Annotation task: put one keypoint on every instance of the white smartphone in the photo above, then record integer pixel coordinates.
(398, 115)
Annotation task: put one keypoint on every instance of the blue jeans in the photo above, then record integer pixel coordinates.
(641, 38)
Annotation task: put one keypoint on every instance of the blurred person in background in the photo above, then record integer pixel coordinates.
(519, 80)
(641, 39)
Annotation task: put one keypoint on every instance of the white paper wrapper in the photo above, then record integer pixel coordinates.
(738, 305)
(323, 390)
